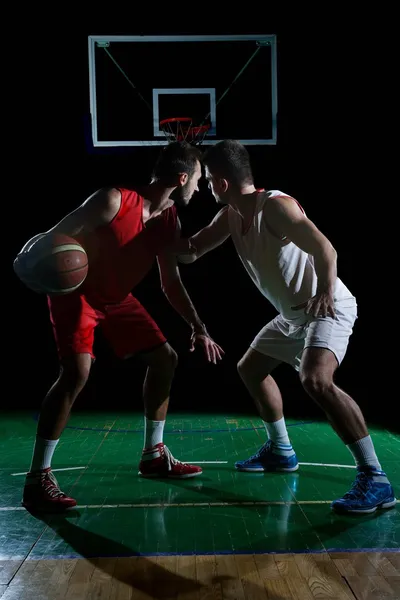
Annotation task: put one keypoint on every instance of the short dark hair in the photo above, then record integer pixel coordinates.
(230, 160)
(175, 158)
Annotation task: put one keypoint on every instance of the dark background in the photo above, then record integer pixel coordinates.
(327, 156)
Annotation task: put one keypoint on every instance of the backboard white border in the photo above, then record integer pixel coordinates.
(104, 39)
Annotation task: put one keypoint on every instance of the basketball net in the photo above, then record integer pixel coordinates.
(178, 129)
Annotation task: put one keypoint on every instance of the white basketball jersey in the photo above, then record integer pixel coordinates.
(283, 273)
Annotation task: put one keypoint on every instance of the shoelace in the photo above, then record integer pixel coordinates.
(50, 484)
(360, 487)
(170, 459)
(265, 448)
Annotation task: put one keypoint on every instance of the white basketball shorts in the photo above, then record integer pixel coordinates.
(284, 341)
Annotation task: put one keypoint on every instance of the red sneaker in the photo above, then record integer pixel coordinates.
(159, 462)
(42, 493)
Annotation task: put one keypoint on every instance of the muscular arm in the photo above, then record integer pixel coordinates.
(175, 291)
(99, 209)
(284, 216)
(208, 238)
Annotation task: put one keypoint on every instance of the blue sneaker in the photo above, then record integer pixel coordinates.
(371, 490)
(267, 460)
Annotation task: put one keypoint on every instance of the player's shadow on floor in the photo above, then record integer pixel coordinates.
(141, 574)
(326, 476)
(280, 536)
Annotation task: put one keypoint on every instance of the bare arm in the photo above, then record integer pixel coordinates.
(178, 297)
(99, 209)
(174, 289)
(284, 216)
(206, 239)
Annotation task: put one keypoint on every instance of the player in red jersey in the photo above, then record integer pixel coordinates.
(123, 232)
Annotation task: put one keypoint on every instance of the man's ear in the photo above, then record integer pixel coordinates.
(183, 178)
(224, 184)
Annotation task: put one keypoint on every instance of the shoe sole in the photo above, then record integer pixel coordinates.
(368, 511)
(157, 476)
(272, 470)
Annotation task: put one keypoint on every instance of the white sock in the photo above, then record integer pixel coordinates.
(153, 432)
(277, 433)
(42, 453)
(364, 454)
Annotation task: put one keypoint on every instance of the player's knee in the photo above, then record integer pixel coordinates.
(164, 359)
(255, 366)
(74, 373)
(170, 359)
(315, 383)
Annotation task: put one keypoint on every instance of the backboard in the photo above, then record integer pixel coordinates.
(228, 81)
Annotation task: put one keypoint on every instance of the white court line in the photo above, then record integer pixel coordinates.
(308, 464)
(66, 469)
(328, 465)
(184, 505)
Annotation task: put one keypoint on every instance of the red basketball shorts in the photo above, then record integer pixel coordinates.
(127, 326)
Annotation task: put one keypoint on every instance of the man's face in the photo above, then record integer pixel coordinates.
(214, 184)
(183, 194)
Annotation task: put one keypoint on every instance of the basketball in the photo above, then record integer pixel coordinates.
(52, 263)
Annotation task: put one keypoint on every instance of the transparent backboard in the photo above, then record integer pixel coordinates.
(229, 82)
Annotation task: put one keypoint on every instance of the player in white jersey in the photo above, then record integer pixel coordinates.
(293, 265)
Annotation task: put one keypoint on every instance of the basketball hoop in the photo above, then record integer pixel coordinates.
(178, 129)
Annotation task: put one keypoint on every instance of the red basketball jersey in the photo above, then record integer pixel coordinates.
(122, 252)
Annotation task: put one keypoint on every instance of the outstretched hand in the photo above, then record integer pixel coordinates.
(320, 305)
(212, 350)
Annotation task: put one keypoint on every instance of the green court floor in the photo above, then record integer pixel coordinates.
(221, 511)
